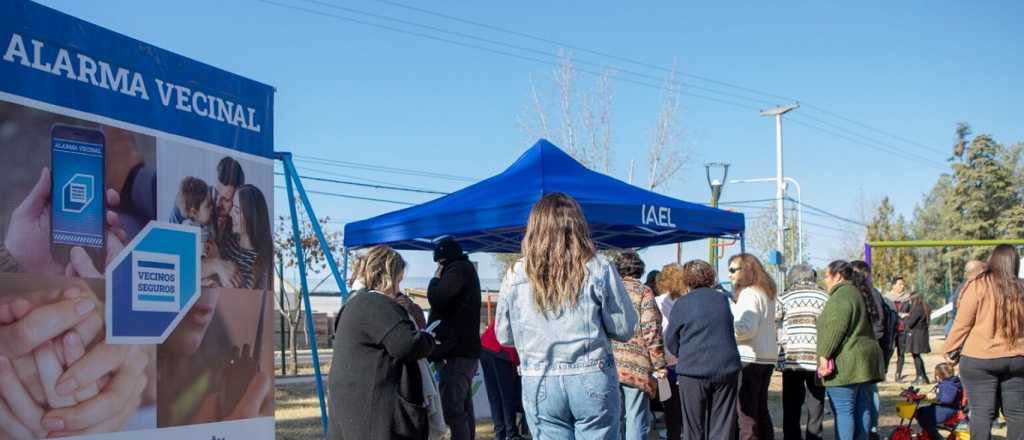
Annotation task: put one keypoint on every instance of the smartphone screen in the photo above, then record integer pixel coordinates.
(77, 171)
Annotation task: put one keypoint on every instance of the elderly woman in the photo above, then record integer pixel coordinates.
(641, 358)
(798, 312)
(700, 334)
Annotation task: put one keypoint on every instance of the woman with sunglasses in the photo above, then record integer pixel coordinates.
(754, 325)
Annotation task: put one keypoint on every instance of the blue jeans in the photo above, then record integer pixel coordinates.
(851, 406)
(876, 405)
(567, 407)
(636, 412)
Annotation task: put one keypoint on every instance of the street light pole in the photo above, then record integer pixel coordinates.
(799, 209)
(780, 188)
(716, 193)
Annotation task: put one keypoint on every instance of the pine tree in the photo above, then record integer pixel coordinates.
(1011, 223)
(984, 201)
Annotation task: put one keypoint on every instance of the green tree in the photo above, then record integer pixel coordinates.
(1011, 223)
(931, 223)
(890, 262)
(984, 200)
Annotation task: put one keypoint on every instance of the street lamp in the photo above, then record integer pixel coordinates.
(716, 193)
(780, 189)
(799, 210)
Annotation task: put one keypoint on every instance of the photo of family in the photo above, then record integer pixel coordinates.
(217, 364)
(231, 208)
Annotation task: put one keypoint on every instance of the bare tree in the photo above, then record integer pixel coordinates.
(597, 113)
(536, 108)
(852, 244)
(504, 261)
(762, 238)
(315, 259)
(564, 78)
(585, 122)
(665, 156)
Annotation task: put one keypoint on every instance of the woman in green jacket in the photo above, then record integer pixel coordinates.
(849, 358)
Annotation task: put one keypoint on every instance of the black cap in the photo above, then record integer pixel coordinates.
(447, 249)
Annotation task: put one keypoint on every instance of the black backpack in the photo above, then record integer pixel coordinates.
(891, 321)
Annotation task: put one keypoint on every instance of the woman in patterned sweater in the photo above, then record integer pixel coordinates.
(641, 358)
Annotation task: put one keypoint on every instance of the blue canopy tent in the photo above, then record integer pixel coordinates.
(491, 215)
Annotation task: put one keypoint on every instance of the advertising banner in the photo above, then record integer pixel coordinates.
(136, 253)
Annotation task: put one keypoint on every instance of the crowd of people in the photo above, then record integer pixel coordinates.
(582, 348)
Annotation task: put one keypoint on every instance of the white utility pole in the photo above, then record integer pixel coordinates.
(799, 210)
(780, 187)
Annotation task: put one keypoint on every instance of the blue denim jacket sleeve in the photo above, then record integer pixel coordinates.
(617, 312)
(502, 319)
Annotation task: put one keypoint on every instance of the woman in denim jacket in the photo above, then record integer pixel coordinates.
(560, 306)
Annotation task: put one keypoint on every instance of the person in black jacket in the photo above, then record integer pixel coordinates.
(376, 390)
(454, 296)
(700, 334)
(917, 336)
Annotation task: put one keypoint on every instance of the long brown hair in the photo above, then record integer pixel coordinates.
(257, 225)
(557, 248)
(915, 299)
(752, 273)
(1003, 268)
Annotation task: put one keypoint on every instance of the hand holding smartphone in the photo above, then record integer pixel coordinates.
(78, 201)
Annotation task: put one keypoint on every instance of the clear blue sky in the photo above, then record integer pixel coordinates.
(351, 92)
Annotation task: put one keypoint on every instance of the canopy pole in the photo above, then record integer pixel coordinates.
(344, 269)
(867, 256)
(315, 223)
(288, 177)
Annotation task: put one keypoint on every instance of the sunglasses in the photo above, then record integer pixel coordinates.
(734, 269)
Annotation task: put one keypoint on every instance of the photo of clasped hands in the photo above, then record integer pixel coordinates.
(57, 376)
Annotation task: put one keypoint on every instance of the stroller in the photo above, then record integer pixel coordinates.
(906, 409)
